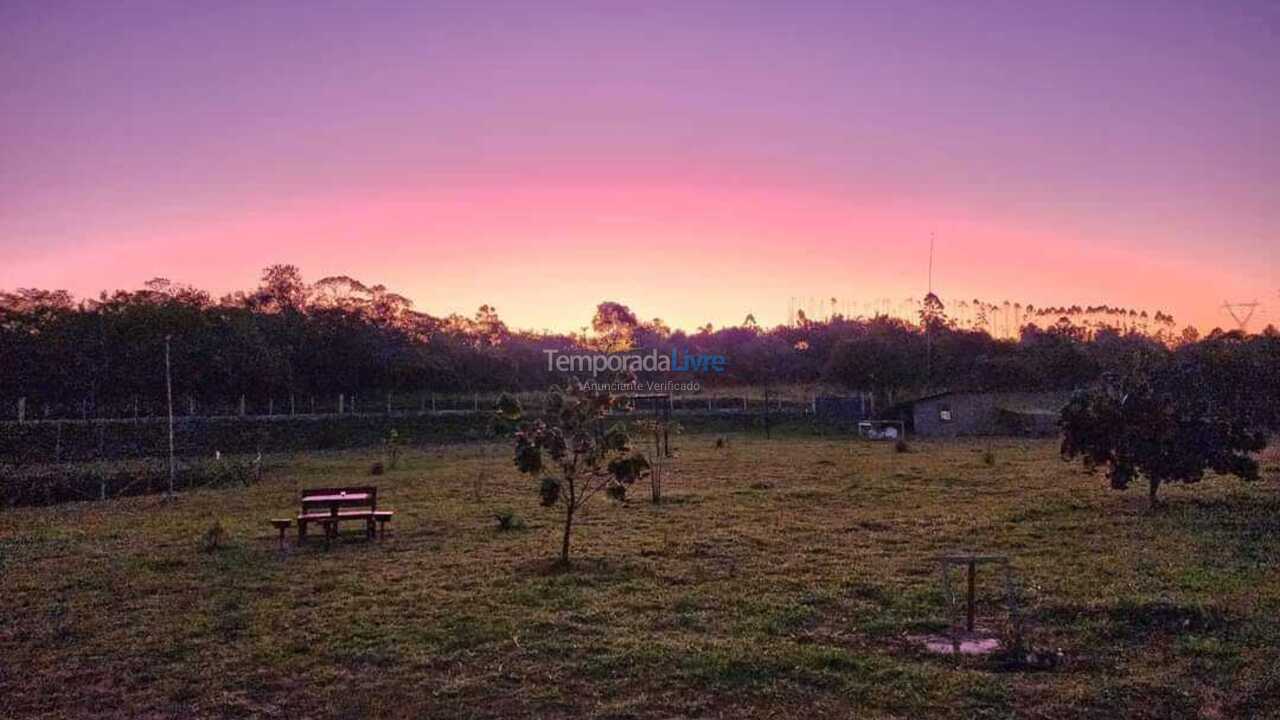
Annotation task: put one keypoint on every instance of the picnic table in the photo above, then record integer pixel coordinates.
(331, 506)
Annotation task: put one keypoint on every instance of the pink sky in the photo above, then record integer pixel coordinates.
(697, 161)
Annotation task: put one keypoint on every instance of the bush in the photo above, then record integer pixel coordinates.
(214, 538)
(507, 520)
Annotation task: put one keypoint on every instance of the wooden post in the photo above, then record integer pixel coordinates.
(242, 406)
(433, 403)
(969, 618)
(767, 431)
(168, 389)
(292, 407)
(22, 410)
(477, 402)
(271, 407)
(191, 406)
(313, 404)
(341, 402)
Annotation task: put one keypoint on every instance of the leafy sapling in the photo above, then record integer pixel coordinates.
(572, 454)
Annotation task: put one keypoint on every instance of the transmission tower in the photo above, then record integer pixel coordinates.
(1241, 312)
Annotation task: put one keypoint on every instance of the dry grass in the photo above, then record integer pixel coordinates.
(781, 579)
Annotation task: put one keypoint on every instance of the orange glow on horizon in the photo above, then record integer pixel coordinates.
(705, 250)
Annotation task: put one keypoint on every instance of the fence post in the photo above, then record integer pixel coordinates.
(292, 406)
(135, 408)
(744, 402)
(242, 406)
(388, 403)
(477, 403)
(313, 404)
(422, 404)
(22, 410)
(271, 407)
(342, 400)
(168, 391)
(57, 448)
(433, 403)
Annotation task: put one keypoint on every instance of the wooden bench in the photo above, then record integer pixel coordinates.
(331, 506)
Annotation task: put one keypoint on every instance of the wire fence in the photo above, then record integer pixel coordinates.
(59, 452)
(141, 408)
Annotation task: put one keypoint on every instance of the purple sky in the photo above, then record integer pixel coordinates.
(496, 152)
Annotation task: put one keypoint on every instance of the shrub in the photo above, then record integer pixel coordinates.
(214, 538)
(392, 444)
(507, 520)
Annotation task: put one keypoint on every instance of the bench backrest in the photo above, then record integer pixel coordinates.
(370, 490)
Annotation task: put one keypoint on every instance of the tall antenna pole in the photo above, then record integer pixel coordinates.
(930, 262)
(928, 332)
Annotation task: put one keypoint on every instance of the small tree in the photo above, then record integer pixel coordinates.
(574, 456)
(1155, 425)
(392, 443)
(654, 466)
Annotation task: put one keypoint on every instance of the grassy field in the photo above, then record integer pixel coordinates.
(782, 579)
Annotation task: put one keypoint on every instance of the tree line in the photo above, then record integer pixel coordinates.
(289, 337)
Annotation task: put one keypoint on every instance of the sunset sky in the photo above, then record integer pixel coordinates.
(695, 160)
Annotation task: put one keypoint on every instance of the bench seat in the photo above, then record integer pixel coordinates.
(342, 515)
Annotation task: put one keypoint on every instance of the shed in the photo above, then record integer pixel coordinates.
(956, 414)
